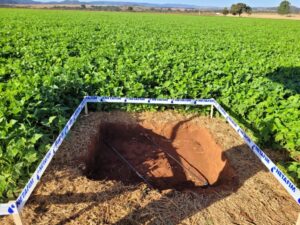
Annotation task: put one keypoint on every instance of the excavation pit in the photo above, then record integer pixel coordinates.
(181, 156)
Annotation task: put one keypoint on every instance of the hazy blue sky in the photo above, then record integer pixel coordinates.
(221, 3)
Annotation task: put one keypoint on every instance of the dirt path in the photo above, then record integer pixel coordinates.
(66, 196)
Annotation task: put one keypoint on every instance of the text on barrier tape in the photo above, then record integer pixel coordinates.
(6, 208)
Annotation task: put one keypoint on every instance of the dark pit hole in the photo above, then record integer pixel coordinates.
(164, 162)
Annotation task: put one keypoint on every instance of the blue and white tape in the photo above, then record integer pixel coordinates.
(278, 174)
(14, 207)
(150, 101)
(7, 208)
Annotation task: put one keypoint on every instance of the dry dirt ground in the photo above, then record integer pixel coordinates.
(272, 16)
(66, 195)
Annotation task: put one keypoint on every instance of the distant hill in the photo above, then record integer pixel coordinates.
(265, 9)
(139, 4)
(109, 3)
(3, 2)
(294, 9)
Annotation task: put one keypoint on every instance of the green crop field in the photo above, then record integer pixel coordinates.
(50, 59)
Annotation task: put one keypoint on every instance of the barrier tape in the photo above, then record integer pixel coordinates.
(150, 101)
(278, 174)
(6, 209)
(10, 208)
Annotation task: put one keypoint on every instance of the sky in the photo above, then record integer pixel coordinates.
(218, 3)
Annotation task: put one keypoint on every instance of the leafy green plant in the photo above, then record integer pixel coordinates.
(250, 66)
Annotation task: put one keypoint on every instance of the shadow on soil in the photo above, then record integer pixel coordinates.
(181, 159)
(74, 198)
(196, 198)
(159, 160)
(239, 164)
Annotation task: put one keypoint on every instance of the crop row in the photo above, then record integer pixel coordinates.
(50, 59)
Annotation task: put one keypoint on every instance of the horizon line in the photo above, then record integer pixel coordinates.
(150, 3)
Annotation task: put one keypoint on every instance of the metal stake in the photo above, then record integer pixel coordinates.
(298, 220)
(17, 215)
(86, 110)
(211, 111)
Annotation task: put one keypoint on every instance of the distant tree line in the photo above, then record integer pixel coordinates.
(284, 8)
(136, 9)
(237, 9)
(105, 8)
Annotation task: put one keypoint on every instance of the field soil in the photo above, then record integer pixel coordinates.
(201, 171)
(175, 155)
(271, 16)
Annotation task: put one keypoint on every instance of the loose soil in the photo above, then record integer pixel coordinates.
(177, 155)
(86, 183)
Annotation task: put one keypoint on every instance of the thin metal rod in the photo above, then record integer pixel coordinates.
(128, 164)
(179, 163)
(298, 220)
(211, 111)
(86, 110)
(17, 217)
